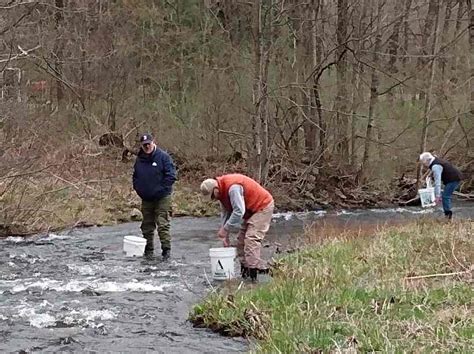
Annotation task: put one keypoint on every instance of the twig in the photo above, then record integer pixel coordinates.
(51, 191)
(32, 172)
(208, 282)
(232, 133)
(187, 285)
(409, 201)
(464, 195)
(24, 54)
(456, 259)
(75, 185)
(64, 180)
(438, 275)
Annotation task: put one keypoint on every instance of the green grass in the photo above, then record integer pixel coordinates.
(354, 295)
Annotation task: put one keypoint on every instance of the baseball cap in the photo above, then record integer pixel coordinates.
(146, 139)
(207, 186)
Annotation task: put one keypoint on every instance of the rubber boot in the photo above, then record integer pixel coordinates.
(449, 214)
(253, 274)
(149, 253)
(244, 271)
(165, 253)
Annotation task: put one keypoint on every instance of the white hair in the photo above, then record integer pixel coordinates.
(426, 157)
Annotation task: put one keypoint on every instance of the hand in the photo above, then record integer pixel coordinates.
(226, 242)
(223, 234)
(438, 200)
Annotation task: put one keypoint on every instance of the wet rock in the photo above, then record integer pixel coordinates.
(66, 340)
(62, 324)
(94, 256)
(90, 292)
(83, 224)
(101, 330)
(136, 215)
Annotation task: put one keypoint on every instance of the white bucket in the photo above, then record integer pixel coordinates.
(427, 197)
(222, 262)
(134, 246)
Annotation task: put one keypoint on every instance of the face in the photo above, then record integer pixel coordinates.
(425, 163)
(215, 193)
(148, 148)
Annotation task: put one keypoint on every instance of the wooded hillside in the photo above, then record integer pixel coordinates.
(310, 94)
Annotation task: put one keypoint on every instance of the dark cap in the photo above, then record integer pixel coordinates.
(146, 138)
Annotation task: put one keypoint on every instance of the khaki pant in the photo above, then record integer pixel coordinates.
(251, 235)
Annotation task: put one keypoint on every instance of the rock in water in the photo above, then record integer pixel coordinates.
(136, 215)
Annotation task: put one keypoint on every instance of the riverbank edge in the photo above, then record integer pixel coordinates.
(374, 292)
(70, 211)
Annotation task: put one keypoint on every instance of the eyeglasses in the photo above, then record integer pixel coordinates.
(146, 145)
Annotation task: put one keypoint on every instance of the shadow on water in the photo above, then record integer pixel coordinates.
(76, 291)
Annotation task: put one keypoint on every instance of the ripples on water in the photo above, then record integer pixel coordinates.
(77, 292)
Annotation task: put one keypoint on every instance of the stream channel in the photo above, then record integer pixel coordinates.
(74, 291)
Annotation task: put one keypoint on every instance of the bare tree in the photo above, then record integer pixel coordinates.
(57, 53)
(341, 123)
(470, 6)
(262, 32)
(356, 78)
(374, 83)
(429, 90)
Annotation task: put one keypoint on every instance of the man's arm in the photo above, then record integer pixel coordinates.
(224, 215)
(169, 171)
(134, 177)
(437, 171)
(236, 195)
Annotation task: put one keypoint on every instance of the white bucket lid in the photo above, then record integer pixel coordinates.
(135, 239)
(426, 190)
(223, 252)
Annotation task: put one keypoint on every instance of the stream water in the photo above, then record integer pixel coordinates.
(75, 291)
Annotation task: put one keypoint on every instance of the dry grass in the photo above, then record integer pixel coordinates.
(78, 185)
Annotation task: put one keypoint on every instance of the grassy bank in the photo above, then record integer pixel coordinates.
(384, 292)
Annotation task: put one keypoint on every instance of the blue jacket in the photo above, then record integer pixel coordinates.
(153, 175)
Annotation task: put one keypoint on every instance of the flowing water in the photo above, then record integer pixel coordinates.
(75, 291)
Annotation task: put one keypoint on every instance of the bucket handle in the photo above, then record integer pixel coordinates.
(428, 182)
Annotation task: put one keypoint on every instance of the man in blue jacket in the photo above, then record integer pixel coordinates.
(153, 178)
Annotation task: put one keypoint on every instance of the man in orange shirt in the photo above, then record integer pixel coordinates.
(245, 205)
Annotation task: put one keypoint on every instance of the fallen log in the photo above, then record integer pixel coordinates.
(464, 195)
(410, 202)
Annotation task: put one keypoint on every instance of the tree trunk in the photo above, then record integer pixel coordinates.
(354, 104)
(406, 27)
(428, 29)
(428, 100)
(58, 50)
(305, 27)
(459, 16)
(393, 41)
(374, 82)
(457, 29)
(356, 79)
(341, 123)
(471, 56)
(445, 33)
(315, 101)
(261, 32)
(317, 52)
